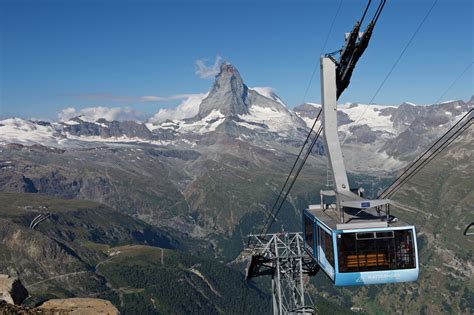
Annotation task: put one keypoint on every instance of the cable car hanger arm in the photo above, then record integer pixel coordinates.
(353, 49)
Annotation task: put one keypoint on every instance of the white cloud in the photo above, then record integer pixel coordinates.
(187, 109)
(128, 99)
(95, 113)
(208, 72)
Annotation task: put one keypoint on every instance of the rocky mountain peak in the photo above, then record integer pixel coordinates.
(471, 101)
(228, 94)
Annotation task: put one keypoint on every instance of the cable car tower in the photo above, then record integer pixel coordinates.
(355, 241)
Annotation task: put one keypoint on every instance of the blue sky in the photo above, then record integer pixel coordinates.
(58, 54)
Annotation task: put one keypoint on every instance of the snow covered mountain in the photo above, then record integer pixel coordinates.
(373, 136)
(381, 137)
(231, 107)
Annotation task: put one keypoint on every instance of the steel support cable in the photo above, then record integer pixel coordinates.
(424, 153)
(365, 12)
(304, 99)
(244, 291)
(272, 216)
(308, 152)
(454, 82)
(379, 11)
(293, 167)
(428, 161)
(306, 93)
(435, 153)
(395, 64)
(413, 164)
(322, 50)
(268, 225)
(291, 172)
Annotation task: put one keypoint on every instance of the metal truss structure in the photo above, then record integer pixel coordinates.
(282, 256)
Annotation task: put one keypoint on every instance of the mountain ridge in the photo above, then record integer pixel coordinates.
(232, 111)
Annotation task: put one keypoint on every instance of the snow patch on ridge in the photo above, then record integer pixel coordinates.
(268, 92)
(207, 124)
(277, 121)
(309, 121)
(17, 130)
(368, 115)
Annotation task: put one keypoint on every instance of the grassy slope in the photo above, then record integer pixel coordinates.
(440, 186)
(134, 279)
(180, 284)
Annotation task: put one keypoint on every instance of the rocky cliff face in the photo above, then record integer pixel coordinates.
(106, 129)
(72, 306)
(228, 94)
(79, 306)
(12, 290)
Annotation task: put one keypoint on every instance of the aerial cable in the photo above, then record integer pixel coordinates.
(436, 153)
(355, 45)
(304, 99)
(293, 168)
(404, 50)
(308, 152)
(454, 82)
(351, 41)
(275, 210)
(271, 217)
(379, 10)
(458, 133)
(425, 153)
(395, 63)
(365, 12)
(409, 172)
(444, 145)
(322, 50)
(395, 186)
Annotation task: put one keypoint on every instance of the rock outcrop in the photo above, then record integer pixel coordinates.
(73, 306)
(228, 94)
(11, 290)
(82, 306)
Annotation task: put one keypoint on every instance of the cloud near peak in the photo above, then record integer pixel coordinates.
(189, 107)
(128, 99)
(208, 72)
(108, 113)
(186, 109)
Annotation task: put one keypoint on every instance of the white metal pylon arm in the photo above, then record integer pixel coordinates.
(331, 138)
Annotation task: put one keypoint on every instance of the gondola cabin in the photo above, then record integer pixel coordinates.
(360, 251)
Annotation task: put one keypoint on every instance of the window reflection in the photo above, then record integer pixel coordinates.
(374, 251)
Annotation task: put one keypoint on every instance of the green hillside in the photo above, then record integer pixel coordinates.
(73, 253)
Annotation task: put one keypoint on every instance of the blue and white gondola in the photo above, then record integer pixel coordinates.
(361, 252)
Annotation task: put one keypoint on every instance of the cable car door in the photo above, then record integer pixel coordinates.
(325, 250)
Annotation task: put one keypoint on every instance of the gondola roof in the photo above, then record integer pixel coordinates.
(357, 219)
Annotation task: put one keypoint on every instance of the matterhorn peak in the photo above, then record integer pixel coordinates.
(228, 94)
